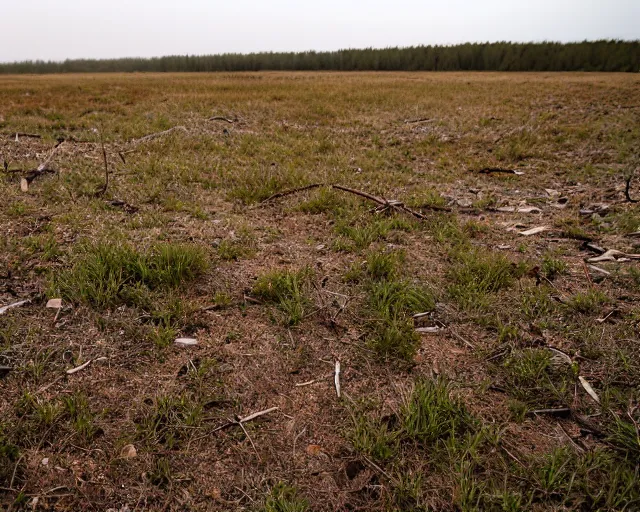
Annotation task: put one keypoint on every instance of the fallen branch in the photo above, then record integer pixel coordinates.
(491, 170)
(336, 379)
(626, 190)
(3, 309)
(384, 203)
(155, 135)
(28, 135)
(421, 120)
(246, 419)
(221, 118)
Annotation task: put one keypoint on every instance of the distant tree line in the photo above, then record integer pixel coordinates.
(602, 55)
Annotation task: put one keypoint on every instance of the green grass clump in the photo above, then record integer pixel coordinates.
(392, 302)
(286, 289)
(536, 378)
(169, 421)
(384, 265)
(430, 413)
(553, 267)
(587, 302)
(106, 275)
(354, 236)
(476, 274)
(284, 498)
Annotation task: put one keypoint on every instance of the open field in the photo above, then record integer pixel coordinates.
(516, 390)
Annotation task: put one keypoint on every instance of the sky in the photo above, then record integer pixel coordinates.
(61, 29)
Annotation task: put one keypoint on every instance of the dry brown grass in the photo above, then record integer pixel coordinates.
(502, 298)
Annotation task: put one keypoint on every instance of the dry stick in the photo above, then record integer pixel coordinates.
(378, 200)
(220, 118)
(421, 120)
(626, 190)
(489, 170)
(155, 135)
(248, 437)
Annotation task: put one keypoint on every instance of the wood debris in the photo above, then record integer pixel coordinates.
(518, 209)
(186, 342)
(4, 309)
(614, 255)
(534, 231)
(587, 387)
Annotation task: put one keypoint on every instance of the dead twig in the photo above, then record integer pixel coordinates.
(383, 203)
(491, 170)
(221, 118)
(421, 120)
(626, 190)
(155, 135)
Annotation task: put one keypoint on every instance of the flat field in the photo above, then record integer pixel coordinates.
(483, 366)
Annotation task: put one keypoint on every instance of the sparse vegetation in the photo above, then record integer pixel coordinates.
(474, 403)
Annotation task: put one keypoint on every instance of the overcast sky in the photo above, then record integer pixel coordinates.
(60, 29)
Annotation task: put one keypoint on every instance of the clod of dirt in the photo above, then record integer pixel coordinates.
(353, 469)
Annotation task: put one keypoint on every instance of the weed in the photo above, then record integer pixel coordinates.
(476, 274)
(374, 438)
(587, 302)
(430, 413)
(324, 200)
(286, 289)
(169, 421)
(391, 302)
(106, 275)
(77, 409)
(625, 435)
(160, 475)
(284, 498)
(533, 376)
(383, 265)
(552, 267)
(363, 233)
(397, 298)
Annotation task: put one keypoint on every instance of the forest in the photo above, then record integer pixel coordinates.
(604, 55)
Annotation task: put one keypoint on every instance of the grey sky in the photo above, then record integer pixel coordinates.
(48, 29)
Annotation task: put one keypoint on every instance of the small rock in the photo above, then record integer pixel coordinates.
(54, 303)
(45, 461)
(128, 452)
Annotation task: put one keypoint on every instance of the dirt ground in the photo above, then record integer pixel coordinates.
(484, 364)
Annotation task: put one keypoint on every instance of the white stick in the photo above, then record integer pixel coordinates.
(337, 378)
(257, 415)
(78, 368)
(14, 305)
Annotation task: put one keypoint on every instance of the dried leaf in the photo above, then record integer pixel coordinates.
(614, 255)
(54, 303)
(314, 450)
(587, 387)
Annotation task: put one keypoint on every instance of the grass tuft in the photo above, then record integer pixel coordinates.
(287, 289)
(107, 275)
